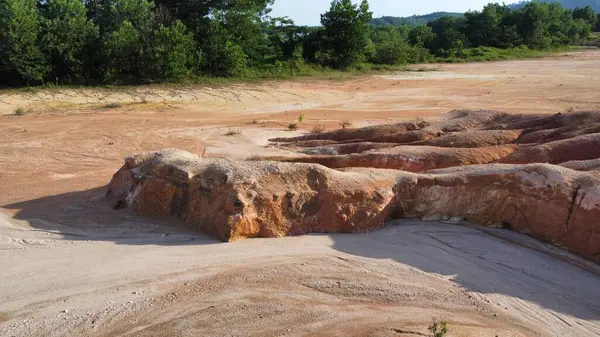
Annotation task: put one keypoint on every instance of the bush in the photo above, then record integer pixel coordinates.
(293, 127)
(438, 329)
(113, 105)
(345, 124)
(19, 111)
(390, 52)
(317, 129)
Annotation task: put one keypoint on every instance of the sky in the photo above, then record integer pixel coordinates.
(308, 12)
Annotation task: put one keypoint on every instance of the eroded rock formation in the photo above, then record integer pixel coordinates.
(236, 200)
(463, 138)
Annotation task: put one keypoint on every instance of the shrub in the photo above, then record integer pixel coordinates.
(391, 52)
(293, 126)
(113, 105)
(19, 111)
(301, 118)
(345, 124)
(317, 129)
(438, 329)
(231, 132)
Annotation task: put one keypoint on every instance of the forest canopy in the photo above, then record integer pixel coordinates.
(145, 41)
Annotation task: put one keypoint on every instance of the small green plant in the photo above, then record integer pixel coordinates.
(317, 129)
(345, 124)
(438, 329)
(301, 118)
(19, 111)
(231, 132)
(293, 127)
(113, 105)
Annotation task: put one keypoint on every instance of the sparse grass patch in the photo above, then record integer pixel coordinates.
(345, 124)
(113, 105)
(232, 132)
(20, 111)
(293, 127)
(317, 129)
(425, 69)
(482, 54)
(438, 329)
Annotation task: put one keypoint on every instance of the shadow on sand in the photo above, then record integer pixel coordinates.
(488, 261)
(87, 215)
(481, 260)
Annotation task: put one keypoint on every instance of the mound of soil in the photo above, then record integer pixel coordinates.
(237, 200)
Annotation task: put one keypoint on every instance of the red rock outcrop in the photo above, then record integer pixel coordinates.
(236, 200)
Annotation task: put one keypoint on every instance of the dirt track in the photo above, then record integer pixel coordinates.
(62, 248)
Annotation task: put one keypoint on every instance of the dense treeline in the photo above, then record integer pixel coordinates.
(570, 4)
(141, 41)
(414, 20)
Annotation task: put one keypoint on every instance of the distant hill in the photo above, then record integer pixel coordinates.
(571, 4)
(414, 20)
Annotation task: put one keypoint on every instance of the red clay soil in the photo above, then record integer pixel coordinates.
(463, 138)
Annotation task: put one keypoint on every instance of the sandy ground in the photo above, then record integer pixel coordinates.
(73, 267)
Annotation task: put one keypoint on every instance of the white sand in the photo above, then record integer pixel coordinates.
(125, 277)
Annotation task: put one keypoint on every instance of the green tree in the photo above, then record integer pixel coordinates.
(109, 15)
(346, 28)
(21, 59)
(587, 14)
(285, 37)
(125, 51)
(448, 35)
(421, 35)
(67, 33)
(222, 56)
(534, 26)
(128, 40)
(313, 42)
(175, 52)
(485, 28)
(239, 22)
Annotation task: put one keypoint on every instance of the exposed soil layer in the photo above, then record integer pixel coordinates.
(463, 138)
